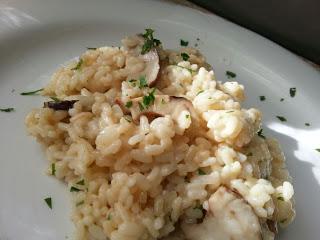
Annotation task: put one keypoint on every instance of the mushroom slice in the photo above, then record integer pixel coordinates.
(150, 58)
(229, 217)
(162, 105)
(60, 105)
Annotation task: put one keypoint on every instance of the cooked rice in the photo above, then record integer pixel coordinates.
(143, 178)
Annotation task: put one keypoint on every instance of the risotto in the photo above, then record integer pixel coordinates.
(152, 146)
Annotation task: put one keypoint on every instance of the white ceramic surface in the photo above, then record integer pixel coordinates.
(37, 36)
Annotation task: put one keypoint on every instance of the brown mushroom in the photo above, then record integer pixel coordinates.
(229, 217)
(60, 105)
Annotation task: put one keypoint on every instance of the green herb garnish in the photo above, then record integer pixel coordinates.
(262, 98)
(81, 182)
(230, 74)
(79, 203)
(91, 48)
(53, 169)
(317, 149)
(141, 107)
(143, 82)
(55, 99)
(149, 41)
(185, 56)
(48, 202)
(129, 104)
(109, 217)
(184, 43)
(200, 92)
(292, 91)
(74, 189)
(201, 172)
(281, 118)
(78, 66)
(6, 109)
(163, 101)
(32, 92)
(260, 134)
(187, 116)
(280, 198)
(149, 99)
(281, 99)
(133, 82)
(307, 124)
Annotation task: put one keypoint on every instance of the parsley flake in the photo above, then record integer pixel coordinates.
(163, 101)
(281, 99)
(200, 92)
(133, 82)
(129, 104)
(307, 124)
(79, 203)
(260, 133)
(187, 116)
(142, 82)
(281, 118)
(185, 56)
(32, 92)
(317, 149)
(74, 189)
(262, 98)
(48, 201)
(55, 99)
(292, 91)
(79, 64)
(6, 109)
(184, 43)
(280, 198)
(109, 217)
(149, 41)
(230, 74)
(149, 99)
(81, 182)
(53, 169)
(141, 107)
(91, 48)
(201, 172)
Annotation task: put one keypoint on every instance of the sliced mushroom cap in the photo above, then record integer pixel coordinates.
(151, 60)
(229, 217)
(60, 105)
(163, 105)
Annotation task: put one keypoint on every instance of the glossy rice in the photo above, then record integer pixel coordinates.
(154, 176)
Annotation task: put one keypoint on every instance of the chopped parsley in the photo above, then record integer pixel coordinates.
(280, 198)
(281, 99)
(74, 189)
(32, 92)
(81, 182)
(6, 109)
(79, 64)
(91, 48)
(184, 43)
(260, 133)
(141, 107)
(230, 74)
(292, 91)
(201, 172)
(185, 56)
(262, 98)
(48, 201)
(143, 82)
(149, 41)
(129, 104)
(163, 101)
(109, 217)
(79, 203)
(55, 99)
(307, 124)
(317, 149)
(53, 169)
(283, 220)
(200, 92)
(133, 82)
(187, 116)
(149, 99)
(281, 118)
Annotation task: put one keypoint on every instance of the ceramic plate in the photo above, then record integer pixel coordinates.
(37, 36)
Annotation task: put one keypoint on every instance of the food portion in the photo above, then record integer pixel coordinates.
(152, 146)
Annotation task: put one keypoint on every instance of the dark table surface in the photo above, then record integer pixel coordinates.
(294, 24)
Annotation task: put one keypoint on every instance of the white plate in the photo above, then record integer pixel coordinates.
(37, 36)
